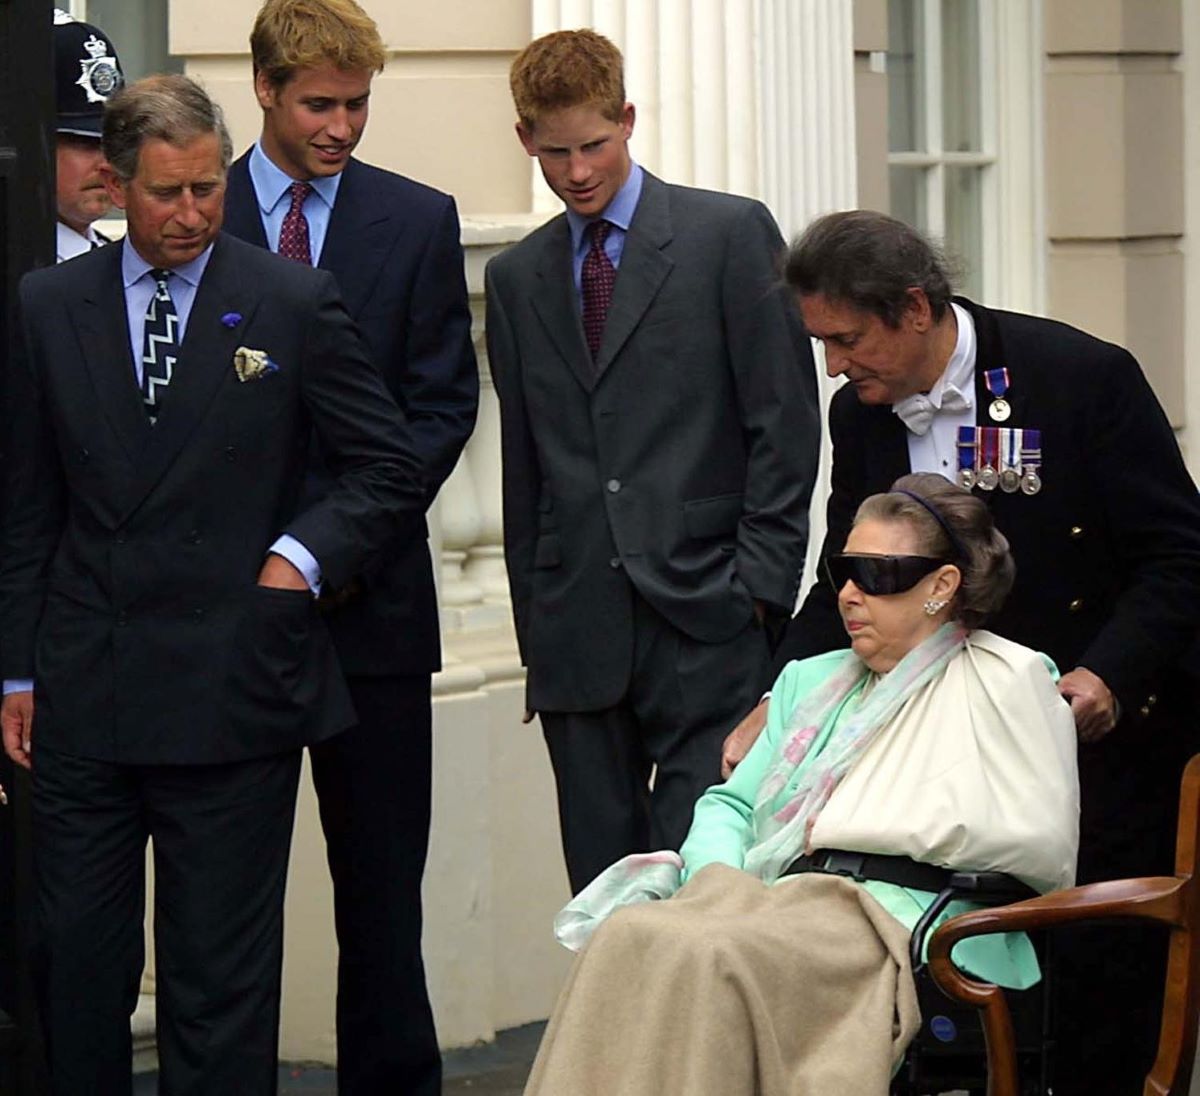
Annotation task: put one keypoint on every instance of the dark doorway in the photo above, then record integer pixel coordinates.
(26, 241)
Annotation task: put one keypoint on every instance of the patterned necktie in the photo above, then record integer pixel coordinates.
(596, 282)
(160, 346)
(293, 236)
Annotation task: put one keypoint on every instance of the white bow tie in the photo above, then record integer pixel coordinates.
(916, 412)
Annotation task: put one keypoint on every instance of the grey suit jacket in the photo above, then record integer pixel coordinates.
(682, 460)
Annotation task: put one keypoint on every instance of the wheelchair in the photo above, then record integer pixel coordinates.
(948, 1052)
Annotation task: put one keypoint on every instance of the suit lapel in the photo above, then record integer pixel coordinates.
(557, 303)
(990, 354)
(887, 438)
(643, 269)
(205, 362)
(357, 240)
(242, 215)
(104, 335)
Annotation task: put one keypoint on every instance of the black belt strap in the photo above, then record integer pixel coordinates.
(900, 870)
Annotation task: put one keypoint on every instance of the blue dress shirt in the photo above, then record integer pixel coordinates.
(619, 213)
(272, 188)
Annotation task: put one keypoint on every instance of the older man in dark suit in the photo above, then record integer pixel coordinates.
(157, 592)
(1062, 436)
(393, 246)
(659, 419)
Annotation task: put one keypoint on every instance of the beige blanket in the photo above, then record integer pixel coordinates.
(734, 988)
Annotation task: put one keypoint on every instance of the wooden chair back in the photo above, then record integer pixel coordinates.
(1173, 901)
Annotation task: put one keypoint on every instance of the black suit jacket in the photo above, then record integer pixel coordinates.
(394, 247)
(1107, 554)
(127, 586)
(683, 457)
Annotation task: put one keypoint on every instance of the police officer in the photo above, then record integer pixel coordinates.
(86, 73)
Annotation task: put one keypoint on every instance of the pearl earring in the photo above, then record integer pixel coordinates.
(932, 607)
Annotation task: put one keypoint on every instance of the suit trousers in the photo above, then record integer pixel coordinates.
(683, 698)
(373, 786)
(221, 835)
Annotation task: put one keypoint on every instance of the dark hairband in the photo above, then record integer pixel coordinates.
(957, 544)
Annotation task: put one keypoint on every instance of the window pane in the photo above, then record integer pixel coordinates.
(907, 193)
(964, 225)
(960, 76)
(906, 124)
(138, 29)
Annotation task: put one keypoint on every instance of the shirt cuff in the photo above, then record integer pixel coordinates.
(18, 685)
(300, 558)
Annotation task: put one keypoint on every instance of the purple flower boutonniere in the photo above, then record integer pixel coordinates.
(231, 319)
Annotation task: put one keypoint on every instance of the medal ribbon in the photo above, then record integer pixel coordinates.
(1012, 438)
(967, 448)
(996, 381)
(990, 455)
(1031, 450)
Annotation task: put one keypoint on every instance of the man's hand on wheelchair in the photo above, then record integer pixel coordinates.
(738, 742)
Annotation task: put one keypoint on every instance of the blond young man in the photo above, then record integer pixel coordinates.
(393, 246)
(659, 418)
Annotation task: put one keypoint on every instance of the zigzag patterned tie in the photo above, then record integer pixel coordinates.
(160, 346)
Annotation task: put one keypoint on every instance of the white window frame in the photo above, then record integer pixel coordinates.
(1012, 233)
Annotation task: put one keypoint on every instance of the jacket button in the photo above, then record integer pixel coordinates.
(613, 485)
(83, 456)
(194, 536)
(120, 538)
(122, 618)
(615, 562)
(1076, 605)
(1145, 710)
(1076, 532)
(198, 614)
(1151, 700)
(230, 452)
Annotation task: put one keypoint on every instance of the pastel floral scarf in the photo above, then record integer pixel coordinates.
(785, 833)
(781, 832)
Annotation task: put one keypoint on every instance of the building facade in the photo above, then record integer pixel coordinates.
(1048, 141)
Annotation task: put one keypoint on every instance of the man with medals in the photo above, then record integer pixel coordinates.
(86, 73)
(1062, 436)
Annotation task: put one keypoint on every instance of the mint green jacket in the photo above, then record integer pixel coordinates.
(723, 829)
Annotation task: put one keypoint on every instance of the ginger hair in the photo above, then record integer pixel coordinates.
(568, 68)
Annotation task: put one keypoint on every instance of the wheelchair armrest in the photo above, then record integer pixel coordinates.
(991, 887)
(1164, 899)
(988, 885)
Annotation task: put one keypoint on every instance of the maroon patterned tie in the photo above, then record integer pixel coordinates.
(293, 236)
(596, 282)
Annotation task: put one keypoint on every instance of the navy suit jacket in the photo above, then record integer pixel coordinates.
(130, 553)
(393, 245)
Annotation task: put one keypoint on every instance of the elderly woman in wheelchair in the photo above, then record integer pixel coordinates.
(780, 964)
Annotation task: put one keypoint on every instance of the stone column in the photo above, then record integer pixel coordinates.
(1115, 179)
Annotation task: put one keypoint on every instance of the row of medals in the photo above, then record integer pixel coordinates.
(1007, 479)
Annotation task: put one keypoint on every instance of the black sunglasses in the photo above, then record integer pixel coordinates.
(880, 574)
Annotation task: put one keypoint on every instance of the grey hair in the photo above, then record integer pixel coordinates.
(871, 261)
(988, 570)
(175, 109)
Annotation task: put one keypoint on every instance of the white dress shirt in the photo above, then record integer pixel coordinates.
(937, 449)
